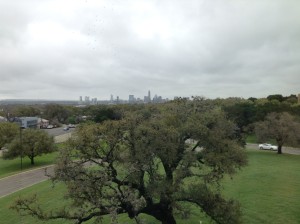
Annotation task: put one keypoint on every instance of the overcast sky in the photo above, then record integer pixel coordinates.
(63, 49)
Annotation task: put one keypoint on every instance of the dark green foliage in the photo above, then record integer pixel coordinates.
(242, 114)
(278, 97)
(103, 115)
(8, 131)
(290, 99)
(56, 113)
(246, 113)
(27, 111)
(253, 99)
(72, 120)
(100, 113)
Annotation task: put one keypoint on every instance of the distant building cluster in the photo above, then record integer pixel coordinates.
(131, 100)
(87, 101)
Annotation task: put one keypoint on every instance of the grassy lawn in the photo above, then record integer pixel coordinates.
(251, 139)
(52, 198)
(10, 167)
(49, 197)
(268, 190)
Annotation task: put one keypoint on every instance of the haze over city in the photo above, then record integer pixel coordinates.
(63, 49)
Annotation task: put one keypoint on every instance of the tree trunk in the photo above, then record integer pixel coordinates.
(161, 213)
(279, 151)
(31, 160)
(168, 219)
(166, 213)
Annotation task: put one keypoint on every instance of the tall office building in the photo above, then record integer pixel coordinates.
(131, 99)
(149, 96)
(87, 99)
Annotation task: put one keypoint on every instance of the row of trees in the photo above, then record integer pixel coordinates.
(60, 114)
(245, 112)
(273, 119)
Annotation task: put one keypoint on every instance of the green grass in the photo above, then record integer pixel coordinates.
(268, 190)
(251, 139)
(10, 167)
(49, 197)
(13, 166)
(52, 198)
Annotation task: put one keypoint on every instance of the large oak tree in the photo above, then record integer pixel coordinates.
(155, 161)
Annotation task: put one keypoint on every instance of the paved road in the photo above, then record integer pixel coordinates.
(11, 184)
(287, 150)
(59, 134)
(58, 131)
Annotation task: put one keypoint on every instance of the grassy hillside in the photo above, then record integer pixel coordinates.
(268, 190)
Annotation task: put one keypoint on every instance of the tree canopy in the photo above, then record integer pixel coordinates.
(153, 161)
(56, 113)
(32, 143)
(8, 131)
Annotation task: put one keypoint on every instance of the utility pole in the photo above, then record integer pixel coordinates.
(21, 147)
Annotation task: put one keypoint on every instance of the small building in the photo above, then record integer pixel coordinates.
(27, 122)
(43, 123)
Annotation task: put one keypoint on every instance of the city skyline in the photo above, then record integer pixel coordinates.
(131, 99)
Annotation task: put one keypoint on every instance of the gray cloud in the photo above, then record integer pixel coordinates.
(63, 49)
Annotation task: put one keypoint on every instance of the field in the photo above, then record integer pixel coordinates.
(268, 190)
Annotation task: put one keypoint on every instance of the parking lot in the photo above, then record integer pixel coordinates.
(60, 135)
(58, 131)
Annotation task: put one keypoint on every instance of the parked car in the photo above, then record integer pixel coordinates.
(66, 128)
(267, 146)
(50, 126)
